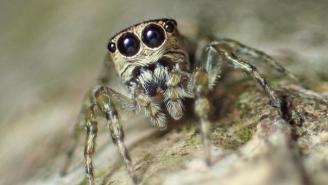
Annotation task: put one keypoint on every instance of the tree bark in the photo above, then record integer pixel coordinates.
(253, 144)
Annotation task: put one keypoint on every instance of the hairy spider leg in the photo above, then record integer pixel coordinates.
(241, 49)
(103, 99)
(76, 133)
(205, 76)
(220, 52)
(202, 108)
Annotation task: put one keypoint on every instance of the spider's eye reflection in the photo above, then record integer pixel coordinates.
(128, 44)
(153, 35)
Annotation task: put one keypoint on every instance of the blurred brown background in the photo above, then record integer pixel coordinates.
(51, 52)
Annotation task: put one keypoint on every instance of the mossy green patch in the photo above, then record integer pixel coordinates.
(238, 130)
(234, 135)
(84, 182)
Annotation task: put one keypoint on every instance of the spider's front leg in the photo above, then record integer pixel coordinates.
(103, 103)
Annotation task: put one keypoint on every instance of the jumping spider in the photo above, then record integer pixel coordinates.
(160, 69)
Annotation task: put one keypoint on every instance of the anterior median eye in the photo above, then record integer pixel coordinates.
(153, 35)
(128, 44)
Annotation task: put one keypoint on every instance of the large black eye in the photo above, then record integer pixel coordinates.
(128, 44)
(153, 35)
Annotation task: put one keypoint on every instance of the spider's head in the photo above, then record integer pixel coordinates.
(146, 53)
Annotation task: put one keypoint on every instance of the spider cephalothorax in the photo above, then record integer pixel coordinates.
(152, 61)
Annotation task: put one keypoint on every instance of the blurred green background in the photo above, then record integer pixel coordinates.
(51, 52)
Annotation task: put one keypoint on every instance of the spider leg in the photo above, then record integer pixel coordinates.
(91, 126)
(206, 73)
(104, 78)
(105, 101)
(241, 49)
(225, 53)
(152, 110)
(101, 101)
(175, 92)
(75, 135)
(202, 108)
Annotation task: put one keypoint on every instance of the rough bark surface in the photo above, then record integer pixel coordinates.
(50, 55)
(253, 145)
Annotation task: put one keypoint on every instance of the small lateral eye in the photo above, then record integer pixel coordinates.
(153, 35)
(169, 26)
(128, 44)
(111, 47)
